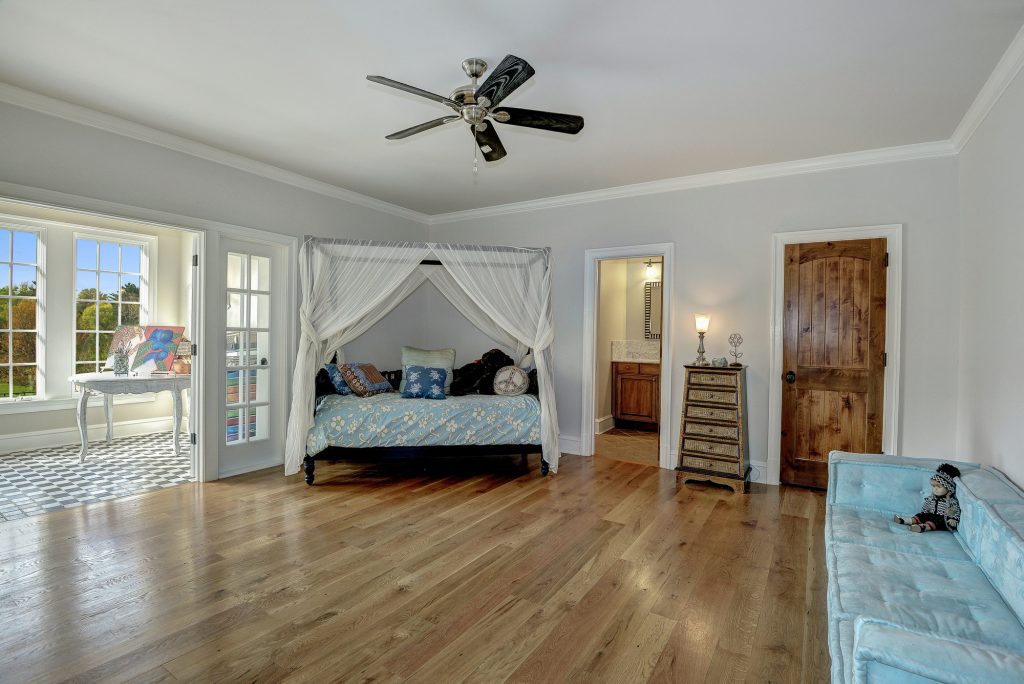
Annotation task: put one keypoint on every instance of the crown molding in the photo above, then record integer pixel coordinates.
(43, 104)
(998, 81)
(929, 150)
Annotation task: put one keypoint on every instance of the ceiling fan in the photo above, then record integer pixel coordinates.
(475, 104)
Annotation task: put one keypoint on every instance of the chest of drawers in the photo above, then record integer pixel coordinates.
(713, 443)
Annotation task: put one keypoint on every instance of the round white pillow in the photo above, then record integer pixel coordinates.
(511, 381)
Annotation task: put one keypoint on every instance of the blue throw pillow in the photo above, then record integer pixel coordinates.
(424, 383)
(340, 386)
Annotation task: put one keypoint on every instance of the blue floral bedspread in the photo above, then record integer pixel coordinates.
(388, 420)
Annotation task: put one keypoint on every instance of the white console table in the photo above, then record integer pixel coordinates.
(108, 384)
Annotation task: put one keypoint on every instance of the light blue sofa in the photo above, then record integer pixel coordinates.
(928, 607)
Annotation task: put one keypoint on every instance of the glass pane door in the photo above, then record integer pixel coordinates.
(247, 349)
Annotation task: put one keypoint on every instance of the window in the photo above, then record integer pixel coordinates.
(19, 312)
(110, 290)
(247, 348)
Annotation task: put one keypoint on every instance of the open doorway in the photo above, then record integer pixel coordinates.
(97, 319)
(627, 370)
(628, 363)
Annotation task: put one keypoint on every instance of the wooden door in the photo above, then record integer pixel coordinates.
(833, 355)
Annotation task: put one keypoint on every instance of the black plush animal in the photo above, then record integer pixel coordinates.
(478, 377)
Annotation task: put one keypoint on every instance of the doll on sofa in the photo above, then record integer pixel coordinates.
(940, 510)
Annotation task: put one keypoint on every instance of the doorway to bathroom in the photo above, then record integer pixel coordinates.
(628, 368)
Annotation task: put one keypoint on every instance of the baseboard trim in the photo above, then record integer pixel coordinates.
(603, 424)
(569, 444)
(250, 467)
(44, 439)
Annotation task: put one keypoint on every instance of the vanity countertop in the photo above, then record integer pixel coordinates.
(636, 360)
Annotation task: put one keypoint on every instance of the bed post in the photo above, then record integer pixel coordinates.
(309, 466)
(544, 466)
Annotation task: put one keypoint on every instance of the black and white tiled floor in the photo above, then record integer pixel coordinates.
(44, 480)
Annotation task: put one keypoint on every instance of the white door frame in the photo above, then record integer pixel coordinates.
(893, 233)
(593, 257)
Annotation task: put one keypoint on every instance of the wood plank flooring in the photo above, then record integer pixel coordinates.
(607, 572)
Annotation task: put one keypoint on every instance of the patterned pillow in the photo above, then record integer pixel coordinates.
(428, 358)
(424, 383)
(511, 381)
(340, 386)
(364, 379)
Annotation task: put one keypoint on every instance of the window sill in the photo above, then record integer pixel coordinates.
(67, 403)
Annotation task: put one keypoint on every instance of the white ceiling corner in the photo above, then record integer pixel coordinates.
(998, 81)
(279, 90)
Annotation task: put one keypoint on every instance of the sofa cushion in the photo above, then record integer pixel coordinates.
(949, 598)
(877, 529)
(881, 482)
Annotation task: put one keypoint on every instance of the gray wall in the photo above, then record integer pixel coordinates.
(723, 240)
(991, 404)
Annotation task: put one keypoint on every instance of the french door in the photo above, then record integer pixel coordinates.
(253, 361)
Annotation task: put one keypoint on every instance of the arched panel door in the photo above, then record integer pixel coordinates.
(833, 355)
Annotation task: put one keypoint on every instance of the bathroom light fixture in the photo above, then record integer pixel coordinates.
(651, 272)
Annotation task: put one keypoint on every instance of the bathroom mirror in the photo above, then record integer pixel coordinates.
(652, 310)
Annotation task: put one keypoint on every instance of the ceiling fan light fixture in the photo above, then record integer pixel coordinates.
(473, 105)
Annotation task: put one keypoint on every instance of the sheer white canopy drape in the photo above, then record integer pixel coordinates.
(347, 286)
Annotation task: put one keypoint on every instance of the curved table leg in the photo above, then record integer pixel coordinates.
(177, 420)
(108, 411)
(83, 428)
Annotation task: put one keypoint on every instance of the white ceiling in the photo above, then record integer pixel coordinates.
(668, 88)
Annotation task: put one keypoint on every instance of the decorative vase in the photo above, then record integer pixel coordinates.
(120, 359)
(181, 366)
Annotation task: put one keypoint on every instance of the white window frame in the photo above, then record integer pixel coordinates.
(148, 268)
(25, 226)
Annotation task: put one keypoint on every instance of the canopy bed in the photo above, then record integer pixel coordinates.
(347, 286)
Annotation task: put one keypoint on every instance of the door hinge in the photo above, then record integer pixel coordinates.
(194, 438)
(195, 259)
(887, 260)
(195, 349)
(885, 359)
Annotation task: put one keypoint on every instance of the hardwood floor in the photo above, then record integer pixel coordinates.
(609, 571)
(633, 446)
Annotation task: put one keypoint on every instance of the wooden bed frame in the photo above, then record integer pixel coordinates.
(464, 450)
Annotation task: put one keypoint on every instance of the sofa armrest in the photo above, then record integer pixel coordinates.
(885, 653)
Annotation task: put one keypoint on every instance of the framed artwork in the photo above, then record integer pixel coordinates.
(128, 338)
(159, 346)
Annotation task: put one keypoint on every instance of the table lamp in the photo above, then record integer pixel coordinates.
(702, 322)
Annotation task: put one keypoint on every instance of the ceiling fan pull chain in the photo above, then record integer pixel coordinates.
(475, 151)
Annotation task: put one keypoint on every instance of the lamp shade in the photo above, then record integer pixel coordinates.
(702, 321)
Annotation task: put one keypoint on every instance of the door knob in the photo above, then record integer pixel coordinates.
(790, 377)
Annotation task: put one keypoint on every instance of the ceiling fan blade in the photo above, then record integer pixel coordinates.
(506, 77)
(413, 130)
(489, 142)
(547, 121)
(414, 90)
